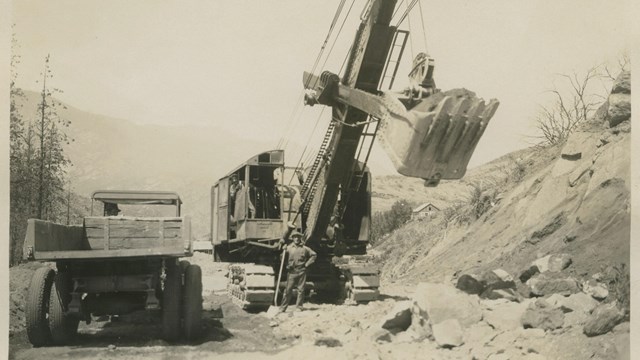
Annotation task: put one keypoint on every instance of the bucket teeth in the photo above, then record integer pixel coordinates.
(455, 129)
(436, 139)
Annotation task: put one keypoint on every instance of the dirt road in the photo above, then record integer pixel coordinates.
(237, 334)
(321, 331)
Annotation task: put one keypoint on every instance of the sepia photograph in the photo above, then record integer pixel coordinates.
(345, 179)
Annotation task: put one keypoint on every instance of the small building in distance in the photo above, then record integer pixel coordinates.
(423, 211)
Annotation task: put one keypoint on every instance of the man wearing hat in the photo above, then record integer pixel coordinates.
(300, 257)
(111, 209)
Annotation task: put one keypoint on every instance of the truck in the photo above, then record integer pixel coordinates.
(112, 265)
(427, 133)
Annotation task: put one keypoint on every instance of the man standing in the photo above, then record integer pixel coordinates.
(300, 257)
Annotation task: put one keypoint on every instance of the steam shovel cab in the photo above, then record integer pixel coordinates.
(250, 209)
(251, 204)
(114, 264)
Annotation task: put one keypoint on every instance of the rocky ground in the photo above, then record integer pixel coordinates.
(431, 320)
(570, 201)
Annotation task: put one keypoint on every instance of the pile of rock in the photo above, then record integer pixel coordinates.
(437, 311)
(545, 299)
(579, 301)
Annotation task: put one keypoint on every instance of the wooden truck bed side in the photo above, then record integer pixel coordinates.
(109, 237)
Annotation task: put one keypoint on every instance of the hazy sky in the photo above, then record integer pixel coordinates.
(239, 64)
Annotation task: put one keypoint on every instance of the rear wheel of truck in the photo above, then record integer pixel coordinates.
(63, 327)
(184, 264)
(171, 296)
(192, 308)
(38, 307)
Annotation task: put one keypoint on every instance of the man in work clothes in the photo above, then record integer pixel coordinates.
(300, 257)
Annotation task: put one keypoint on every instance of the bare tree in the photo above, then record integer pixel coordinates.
(624, 63)
(574, 102)
(576, 97)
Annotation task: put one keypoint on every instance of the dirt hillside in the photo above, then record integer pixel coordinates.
(572, 198)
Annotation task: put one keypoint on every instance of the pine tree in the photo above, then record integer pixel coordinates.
(19, 166)
(37, 160)
(51, 160)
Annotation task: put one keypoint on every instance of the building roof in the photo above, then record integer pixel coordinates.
(421, 207)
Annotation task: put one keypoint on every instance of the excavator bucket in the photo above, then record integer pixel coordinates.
(430, 137)
(435, 139)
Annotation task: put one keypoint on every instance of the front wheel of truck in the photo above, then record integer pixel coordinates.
(38, 307)
(171, 296)
(192, 309)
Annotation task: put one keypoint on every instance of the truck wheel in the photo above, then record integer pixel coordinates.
(192, 308)
(184, 264)
(38, 307)
(171, 296)
(63, 327)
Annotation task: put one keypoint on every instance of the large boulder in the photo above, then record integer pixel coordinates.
(619, 108)
(604, 318)
(596, 289)
(328, 342)
(506, 316)
(498, 279)
(420, 328)
(553, 283)
(553, 262)
(620, 99)
(622, 84)
(471, 284)
(439, 302)
(576, 307)
(399, 317)
(507, 294)
(542, 315)
(529, 273)
(448, 333)
(499, 284)
(494, 284)
(602, 113)
(580, 302)
(380, 335)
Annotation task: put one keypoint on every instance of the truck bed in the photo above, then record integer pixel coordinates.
(109, 237)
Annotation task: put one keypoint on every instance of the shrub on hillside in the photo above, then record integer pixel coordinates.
(478, 202)
(385, 222)
(575, 98)
(618, 281)
(514, 171)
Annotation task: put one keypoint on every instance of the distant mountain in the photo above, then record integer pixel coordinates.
(109, 153)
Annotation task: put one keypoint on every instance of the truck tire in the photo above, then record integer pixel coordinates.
(63, 327)
(192, 306)
(184, 264)
(38, 307)
(171, 296)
